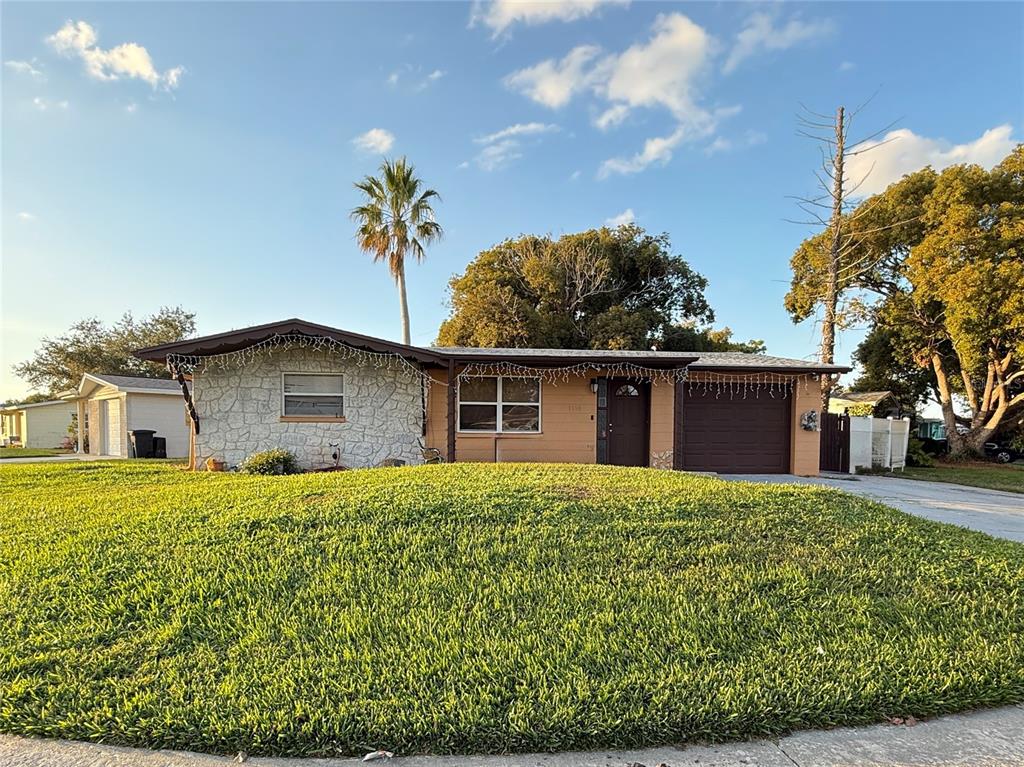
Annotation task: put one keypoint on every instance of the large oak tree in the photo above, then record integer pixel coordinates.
(89, 346)
(605, 288)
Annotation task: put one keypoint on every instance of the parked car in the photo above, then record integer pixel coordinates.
(1001, 453)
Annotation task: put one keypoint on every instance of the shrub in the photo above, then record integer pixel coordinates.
(274, 462)
(916, 455)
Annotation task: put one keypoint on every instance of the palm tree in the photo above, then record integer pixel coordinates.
(396, 220)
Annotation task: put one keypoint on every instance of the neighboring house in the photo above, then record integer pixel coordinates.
(113, 405)
(880, 404)
(38, 424)
(309, 388)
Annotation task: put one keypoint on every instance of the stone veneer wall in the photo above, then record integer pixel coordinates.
(240, 412)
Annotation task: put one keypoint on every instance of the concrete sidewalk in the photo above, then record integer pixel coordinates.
(993, 738)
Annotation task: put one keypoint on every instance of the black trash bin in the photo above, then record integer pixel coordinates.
(142, 442)
(159, 447)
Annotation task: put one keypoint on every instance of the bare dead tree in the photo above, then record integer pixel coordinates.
(829, 209)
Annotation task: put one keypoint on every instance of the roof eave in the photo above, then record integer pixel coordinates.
(235, 340)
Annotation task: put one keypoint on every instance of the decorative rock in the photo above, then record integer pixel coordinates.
(239, 410)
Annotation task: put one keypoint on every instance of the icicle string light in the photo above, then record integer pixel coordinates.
(187, 363)
(732, 385)
(742, 385)
(559, 375)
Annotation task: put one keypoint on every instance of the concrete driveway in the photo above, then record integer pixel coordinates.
(990, 511)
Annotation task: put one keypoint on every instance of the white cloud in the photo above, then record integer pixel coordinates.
(575, 175)
(25, 68)
(25, 216)
(656, 150)
(131, 108)
(847, 66)
(612, 116)
(502, 14)
(498, 155)
(519, 129)
(131, 60)
(45, 104)
(902, 151)
(393, 79)
(625, 217)
(723, 144)
(437, 74)
(661, 73)
(761, 34)
(554, 83)
(375, 140)
(504, 146)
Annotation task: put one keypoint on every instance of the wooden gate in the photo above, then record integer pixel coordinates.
(835, 443)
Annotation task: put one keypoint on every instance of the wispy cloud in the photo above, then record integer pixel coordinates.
(44, 105)
(25, 216)
(902, 151)
(656, 150)
(847, 66)
(414, 76)
(500, 15)
(78, 39)
(519, 129)
(761, 33)
(25, 68)
(375, 140)
(723, 144)
(498, 155)
(625, 217)
(502, 147)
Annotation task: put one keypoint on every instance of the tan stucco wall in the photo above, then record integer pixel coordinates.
(568, 424)
(804, 446)
(568, 427)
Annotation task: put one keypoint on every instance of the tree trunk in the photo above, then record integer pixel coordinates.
(828, 327)
(404, 304)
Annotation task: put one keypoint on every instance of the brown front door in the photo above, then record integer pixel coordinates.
(627, 422)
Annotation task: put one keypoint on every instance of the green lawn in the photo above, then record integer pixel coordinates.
(993, 476)
(482, 608)
(29, 452)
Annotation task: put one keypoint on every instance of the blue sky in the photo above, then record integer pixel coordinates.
(204, 154)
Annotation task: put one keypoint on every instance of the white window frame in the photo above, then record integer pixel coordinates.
(286, 373)
(499, 403)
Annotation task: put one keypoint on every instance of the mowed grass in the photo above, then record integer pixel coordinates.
(1006, 477)
(30, 452)
(472, 608)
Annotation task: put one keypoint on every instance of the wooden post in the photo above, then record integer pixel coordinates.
(452, 392)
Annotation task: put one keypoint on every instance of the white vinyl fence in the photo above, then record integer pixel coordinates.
(878, 443)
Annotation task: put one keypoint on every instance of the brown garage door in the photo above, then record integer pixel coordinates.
(745, 436)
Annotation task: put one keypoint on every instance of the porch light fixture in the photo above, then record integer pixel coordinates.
(593, 385)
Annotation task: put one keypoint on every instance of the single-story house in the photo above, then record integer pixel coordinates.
(320, 391)
(37, 424)
(111, 406)
(880, 404)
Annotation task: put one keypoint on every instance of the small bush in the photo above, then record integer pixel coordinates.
(274, 462)
(916, 455)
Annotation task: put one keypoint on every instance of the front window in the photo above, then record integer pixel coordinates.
(499, 404)
(313, 395)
